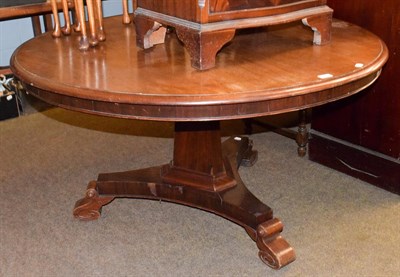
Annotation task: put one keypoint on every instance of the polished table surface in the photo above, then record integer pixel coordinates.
(270, 71)
(261, 72)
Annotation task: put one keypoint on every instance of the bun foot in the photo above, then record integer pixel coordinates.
(84, 43)
(66, 30)
(89, 207)
(101, 36)
(275, 251)
(57, 32)
(93, 40)
(77, 27)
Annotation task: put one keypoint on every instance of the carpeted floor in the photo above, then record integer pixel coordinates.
(339, 226)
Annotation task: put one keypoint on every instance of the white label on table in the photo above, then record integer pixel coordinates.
(325, 76)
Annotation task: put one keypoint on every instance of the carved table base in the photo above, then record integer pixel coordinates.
(203, 174)
(204, 40)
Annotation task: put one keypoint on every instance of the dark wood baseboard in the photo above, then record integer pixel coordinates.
(374, 168)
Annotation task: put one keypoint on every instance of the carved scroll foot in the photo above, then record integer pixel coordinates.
(89, 207)
(321, 25)
(274, 249)
(203, 47)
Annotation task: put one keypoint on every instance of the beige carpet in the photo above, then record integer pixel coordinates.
(339, 226)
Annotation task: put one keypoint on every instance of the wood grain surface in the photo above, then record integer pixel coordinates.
(262, 71)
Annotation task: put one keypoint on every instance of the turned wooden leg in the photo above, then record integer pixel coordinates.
(75, 14)
(84, 41)
(57, 29)
(93, 41)
(101, 35)
(302, 134)
(89, 207)
(321, 25)
(203, 47)
(66, 30)
(148, 32)
(125, 15)
(274, 249)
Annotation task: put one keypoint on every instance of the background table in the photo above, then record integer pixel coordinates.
(261, 72)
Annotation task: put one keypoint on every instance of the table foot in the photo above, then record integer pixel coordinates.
(89, 207)
(274, 249)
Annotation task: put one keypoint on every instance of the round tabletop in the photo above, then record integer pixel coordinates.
(262, 71)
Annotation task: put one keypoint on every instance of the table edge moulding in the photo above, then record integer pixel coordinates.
(261, 72)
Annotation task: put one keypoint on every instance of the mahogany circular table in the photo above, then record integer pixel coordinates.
(261, 72)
